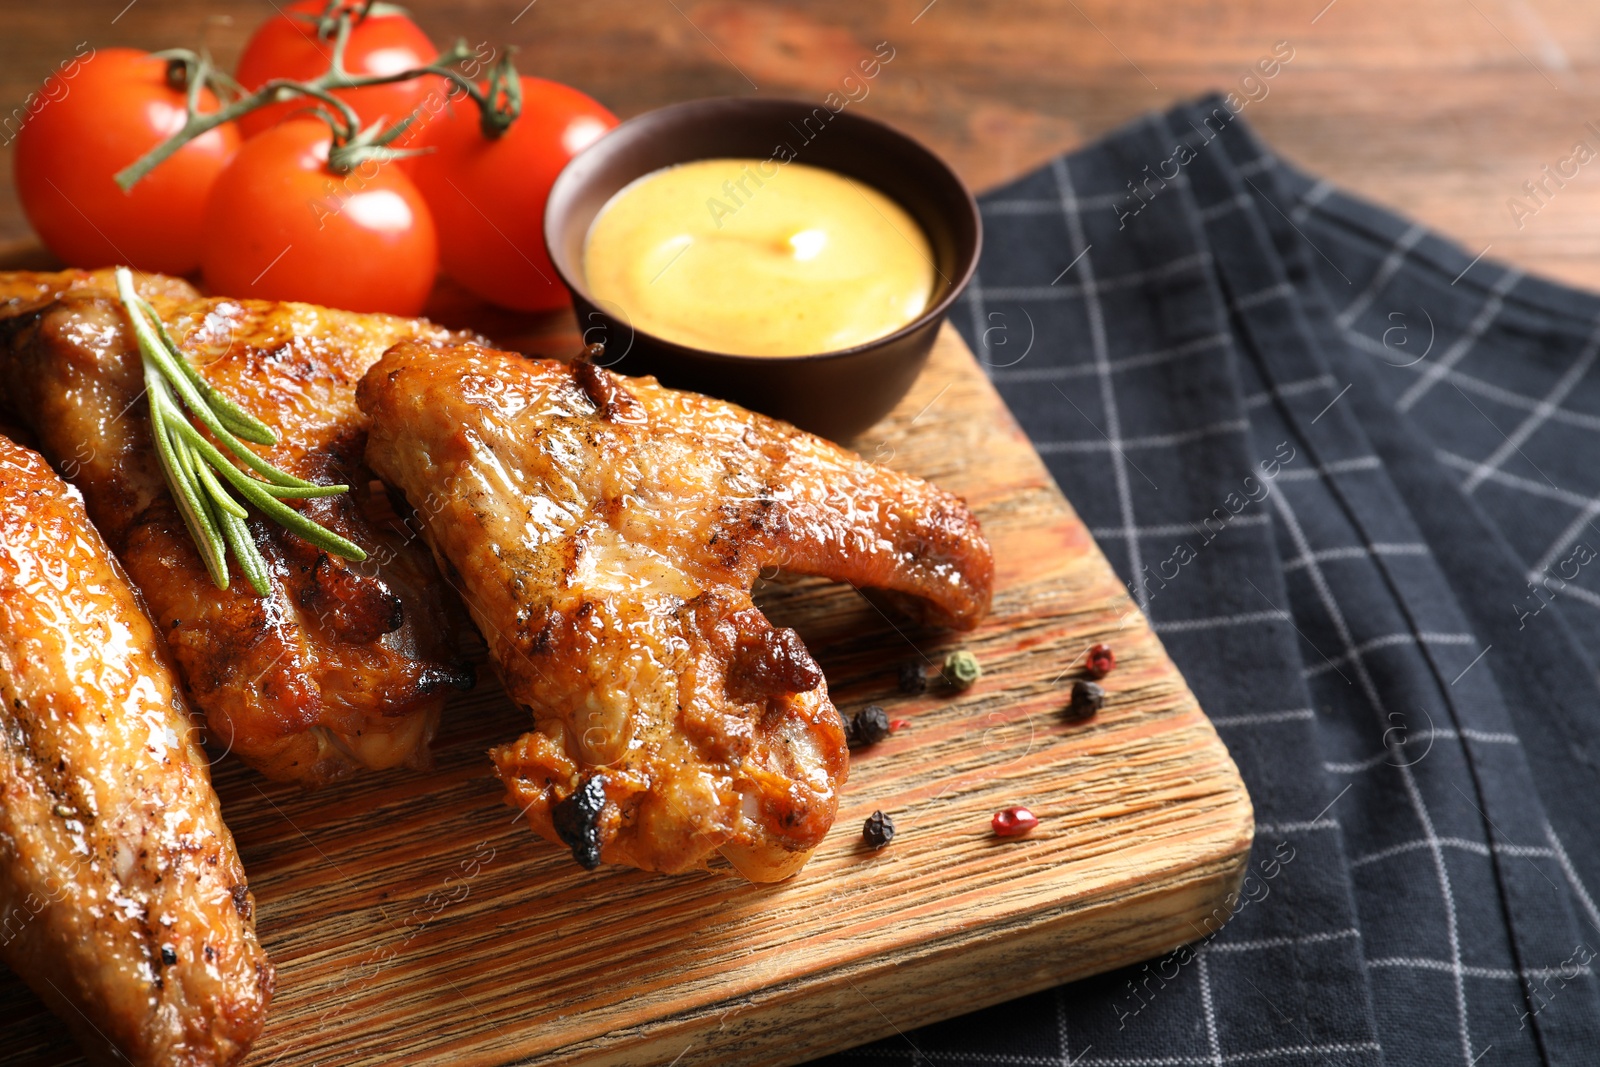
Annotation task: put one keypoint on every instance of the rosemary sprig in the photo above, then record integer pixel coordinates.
(196, 469)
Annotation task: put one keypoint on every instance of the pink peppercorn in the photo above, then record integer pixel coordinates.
(1100, 661)
(1014, 822)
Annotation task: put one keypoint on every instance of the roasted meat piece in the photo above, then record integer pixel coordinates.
(605, 533)
(345, 665)
(122, 901)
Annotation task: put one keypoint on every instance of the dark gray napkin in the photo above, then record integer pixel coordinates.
(1350, 472)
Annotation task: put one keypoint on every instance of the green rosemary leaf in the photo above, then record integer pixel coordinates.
(214, 492)
(195, 469)
(245, 551)
(178, 374)
(237, 419)
(290, 492)
(244, 430)
(171, 364)
(212, 516)
(257, 494)
(195, 517)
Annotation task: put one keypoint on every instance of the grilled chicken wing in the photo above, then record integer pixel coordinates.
(345, 665)
(122, 901)
(606, 533)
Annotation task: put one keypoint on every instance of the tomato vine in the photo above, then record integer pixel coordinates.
(499, 99)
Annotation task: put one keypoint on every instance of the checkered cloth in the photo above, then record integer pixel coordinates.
(1349, 471)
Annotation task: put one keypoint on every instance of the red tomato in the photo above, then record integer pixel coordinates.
(287, 46)
(98, 116)
(488, 195)
(281, 226)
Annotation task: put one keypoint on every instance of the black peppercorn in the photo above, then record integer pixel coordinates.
(870, 726)
(1087, 699)
(912, 680)
(878, 830)
(169, 956)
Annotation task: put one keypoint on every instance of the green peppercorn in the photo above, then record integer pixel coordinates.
(961, 669)
(878, 830)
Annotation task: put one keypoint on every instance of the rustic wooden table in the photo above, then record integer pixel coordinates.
(1440, 108)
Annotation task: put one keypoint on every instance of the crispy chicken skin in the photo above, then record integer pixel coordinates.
(605, 533)
(122, 901)
(345, 665)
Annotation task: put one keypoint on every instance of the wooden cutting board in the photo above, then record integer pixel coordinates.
(413, 922)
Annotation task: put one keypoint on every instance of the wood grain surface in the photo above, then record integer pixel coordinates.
(412, 922)
(1440, 108)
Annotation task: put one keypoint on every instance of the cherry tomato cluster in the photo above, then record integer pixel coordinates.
(255, 206)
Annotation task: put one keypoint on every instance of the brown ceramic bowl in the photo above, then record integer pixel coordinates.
(836, 394)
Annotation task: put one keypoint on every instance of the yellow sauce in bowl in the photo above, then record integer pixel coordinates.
(756, 257)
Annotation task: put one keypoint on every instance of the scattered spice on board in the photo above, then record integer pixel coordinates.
(878, 830)
(1100, 661)
(961, 669)
(1087, 699)
(896, 725)
(1013, 822)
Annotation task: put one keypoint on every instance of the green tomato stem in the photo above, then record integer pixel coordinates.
(495, 120)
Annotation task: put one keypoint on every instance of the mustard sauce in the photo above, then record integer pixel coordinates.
(756, 257)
